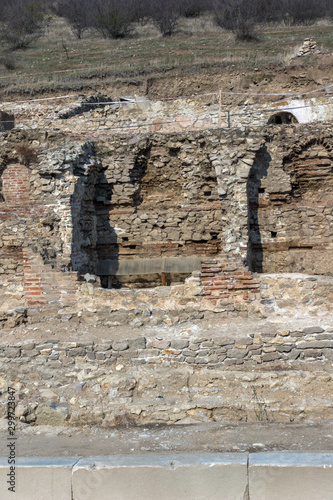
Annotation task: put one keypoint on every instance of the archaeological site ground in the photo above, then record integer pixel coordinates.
(166, 270)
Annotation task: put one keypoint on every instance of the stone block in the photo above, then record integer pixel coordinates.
(50, 416)
(166, 477)
(160, 344)
(100, 356)
(328, 353)
(12, 352)
(190, 354)
(237, 353)
(291, 476)
(179, 343)
(270, 356)
(38, 479)
(315, 344)
(313, 329)
(139, 343)
(312, 353)
(120, 346)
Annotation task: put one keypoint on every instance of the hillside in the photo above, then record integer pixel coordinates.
(199, 58)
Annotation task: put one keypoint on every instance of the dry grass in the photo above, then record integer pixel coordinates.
(198, 45)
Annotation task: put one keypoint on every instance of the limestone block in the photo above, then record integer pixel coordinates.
(38, 478)
(291, 476)
(51, 416)
(166, 477)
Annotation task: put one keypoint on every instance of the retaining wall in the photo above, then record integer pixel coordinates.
(143, 116)
(141, 380)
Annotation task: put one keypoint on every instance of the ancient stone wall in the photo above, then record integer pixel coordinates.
(296, 226)
(157, 199)
(91, 119)
(226, 203)
(36, 221)
(258, 200)
(138, 380)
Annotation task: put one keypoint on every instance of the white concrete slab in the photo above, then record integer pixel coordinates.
(291, 476)
(213, 476)
(37, 479)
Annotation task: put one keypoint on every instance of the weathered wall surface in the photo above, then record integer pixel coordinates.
(293, 227)
(157, 199)
(36, 220)
(144, 381)
(240, 202)
(90, 119)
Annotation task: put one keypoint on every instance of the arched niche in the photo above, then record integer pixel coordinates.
(292, 230)
(282, 118)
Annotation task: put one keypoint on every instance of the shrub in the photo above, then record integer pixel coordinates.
(113, 19)
(22, 21)
(165, 15)
(76, 12)
(8, 61)
(238, 16)
(305, 12)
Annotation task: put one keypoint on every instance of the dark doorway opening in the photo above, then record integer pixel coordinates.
(282, 118)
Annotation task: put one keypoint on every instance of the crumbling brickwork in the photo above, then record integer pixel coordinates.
(240, 202)
(296, 225)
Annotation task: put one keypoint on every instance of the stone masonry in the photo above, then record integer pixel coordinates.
(242, 203)
(229, 211)
(187, 379)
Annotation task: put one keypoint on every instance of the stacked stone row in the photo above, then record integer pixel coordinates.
(313, 343)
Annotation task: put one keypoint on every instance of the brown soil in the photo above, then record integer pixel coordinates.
(298, 76)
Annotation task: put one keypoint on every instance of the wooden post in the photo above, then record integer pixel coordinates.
(220, 110)
(163, 279)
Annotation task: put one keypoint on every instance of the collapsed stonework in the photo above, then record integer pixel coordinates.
(154, 231)
(202, 211)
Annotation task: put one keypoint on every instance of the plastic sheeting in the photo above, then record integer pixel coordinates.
(114, 267)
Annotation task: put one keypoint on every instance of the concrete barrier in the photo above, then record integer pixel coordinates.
(215, 476)
(291, 476)
(37, 479)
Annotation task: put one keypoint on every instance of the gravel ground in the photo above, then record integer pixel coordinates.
(47, 441)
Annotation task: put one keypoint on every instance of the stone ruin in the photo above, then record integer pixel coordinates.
(156, 210)
(158, 229)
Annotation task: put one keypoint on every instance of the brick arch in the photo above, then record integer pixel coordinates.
(309, 164)
(299, 147)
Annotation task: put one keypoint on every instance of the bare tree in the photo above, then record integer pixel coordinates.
(76, 12)
(165, 15)
(112, 18)
(238, 16)
(22, 21)
(194, 8)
